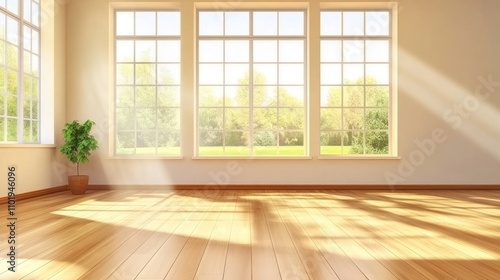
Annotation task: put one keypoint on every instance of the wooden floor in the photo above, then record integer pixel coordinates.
(257, 235)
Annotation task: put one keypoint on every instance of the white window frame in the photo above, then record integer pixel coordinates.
(121, 7)
(390, 7)
(251, 38)
(21, 118)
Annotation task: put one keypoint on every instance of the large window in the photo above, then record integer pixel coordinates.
(147, 89)
(19, 71)
(251, 83)
(356, 82)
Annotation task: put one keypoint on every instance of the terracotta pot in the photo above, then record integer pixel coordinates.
(78, 183)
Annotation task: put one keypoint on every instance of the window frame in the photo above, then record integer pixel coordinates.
(126, 7)
(391, 8)
(33, 23)
(251, 38)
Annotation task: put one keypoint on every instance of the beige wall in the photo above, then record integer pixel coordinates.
(41, 167)
(445, 47)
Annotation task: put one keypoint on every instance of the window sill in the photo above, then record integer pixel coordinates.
(28, 146)
(146, 157)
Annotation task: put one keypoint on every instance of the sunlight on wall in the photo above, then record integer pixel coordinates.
(466, 110)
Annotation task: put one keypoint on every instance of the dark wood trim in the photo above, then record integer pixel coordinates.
(296, 187)
(37, 193)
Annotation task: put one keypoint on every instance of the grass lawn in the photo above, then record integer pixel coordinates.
(258, 151)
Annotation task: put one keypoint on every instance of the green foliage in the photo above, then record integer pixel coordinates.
(79, 143)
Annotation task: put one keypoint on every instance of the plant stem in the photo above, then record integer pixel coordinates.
(78, 169)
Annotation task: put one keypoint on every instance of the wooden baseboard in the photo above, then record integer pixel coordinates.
(260, 187)
(37, 193)
(296, 187)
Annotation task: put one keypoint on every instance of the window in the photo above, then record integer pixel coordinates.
(19, 71)
(251, 83)
(356, 81)
(147, 88)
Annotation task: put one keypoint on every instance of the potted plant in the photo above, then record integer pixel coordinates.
(79, 143)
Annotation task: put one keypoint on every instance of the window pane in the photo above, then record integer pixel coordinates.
(169, 119)
(331, 119)
(168, 96)
(125, 143)
(377, 23)
(169, 51)
(12, 78)
(125, 118)
(146, 118)
(237, 119)
(265, 51)
(124, 96)
(354, 96)
(145, 74)
(331, 143)
(27, 38)
(291, 118)
(2, 128)
(353, 74)
(291, 51)
(210, 96)
(145, 96)
(331, 96)
(169, 23)
(354, 119)
(331, 74)
(291, 74)
(291, 96)
(125, 51)
(377, 51)
(265, 23)
(353, 23)
(377, 74)
(35, 14)
(211, 74)
(291, 139)
(377, 119)
(236, 74)
(146, 143)
(331, 23)
(265, 143)
(169, 74)
(212, 119)
(145, 51)
(12, 56)
(211, 139)
(13, 6)
(35, 38)
(124, 23)
(211, 23)
(169, 143)
(354, 51)
(12, 31)
(291, 23)
(210, 51)
(265, 96)
(237, 23)
(265, 74)
(12, 130)
(377, 96)
(331, 51)
(145, 23)
(236, 96)
(237, 51)
(265, 118)
(125, 74)
(377, 142)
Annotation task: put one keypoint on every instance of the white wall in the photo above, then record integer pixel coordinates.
(41, 167)
(445, 48)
